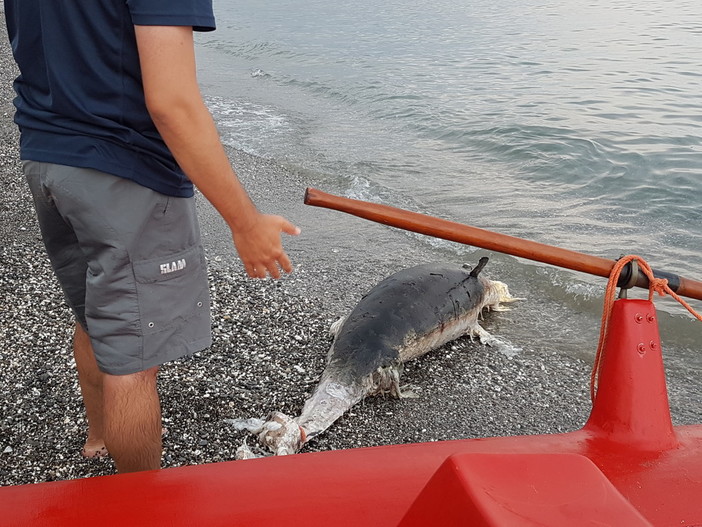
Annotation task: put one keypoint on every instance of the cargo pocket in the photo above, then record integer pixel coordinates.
(171, 290)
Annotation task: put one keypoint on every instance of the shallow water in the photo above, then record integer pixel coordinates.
(568, 123)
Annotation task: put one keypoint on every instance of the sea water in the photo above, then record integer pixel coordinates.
(567, 122)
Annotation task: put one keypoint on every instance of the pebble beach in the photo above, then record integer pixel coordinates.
(270, 342)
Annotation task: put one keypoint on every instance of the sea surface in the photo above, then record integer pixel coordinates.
(572, 123)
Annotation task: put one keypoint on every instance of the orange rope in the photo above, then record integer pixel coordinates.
(658, 285)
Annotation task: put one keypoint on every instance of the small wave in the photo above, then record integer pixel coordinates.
(247, 126)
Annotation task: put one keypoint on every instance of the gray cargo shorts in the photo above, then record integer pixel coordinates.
(130, 263)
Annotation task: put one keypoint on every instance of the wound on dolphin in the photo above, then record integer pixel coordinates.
(405, 316)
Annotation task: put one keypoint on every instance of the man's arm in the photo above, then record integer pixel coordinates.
(173, 98)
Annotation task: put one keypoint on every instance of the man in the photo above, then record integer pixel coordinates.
(114, 133)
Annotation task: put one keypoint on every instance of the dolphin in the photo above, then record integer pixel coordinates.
(405, 316)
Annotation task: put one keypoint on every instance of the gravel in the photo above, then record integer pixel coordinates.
(270, 342)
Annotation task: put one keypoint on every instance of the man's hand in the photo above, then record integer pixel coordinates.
(260, 248)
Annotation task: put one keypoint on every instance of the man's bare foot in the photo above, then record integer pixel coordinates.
(94, 449)
(97, 449)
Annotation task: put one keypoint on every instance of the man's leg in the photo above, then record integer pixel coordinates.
(90, 379)
(132, 417)
(133, 453)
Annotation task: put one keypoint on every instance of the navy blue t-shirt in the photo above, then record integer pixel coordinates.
(80, 99)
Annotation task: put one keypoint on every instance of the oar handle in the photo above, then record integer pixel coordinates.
(458, 232)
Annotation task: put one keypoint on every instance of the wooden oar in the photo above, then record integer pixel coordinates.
(458, 232)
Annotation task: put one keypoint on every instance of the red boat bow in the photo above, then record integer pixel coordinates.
(628, 466)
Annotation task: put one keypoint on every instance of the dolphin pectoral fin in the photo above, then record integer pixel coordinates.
(385, 381)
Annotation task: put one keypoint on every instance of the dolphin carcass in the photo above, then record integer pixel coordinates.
(405, 316)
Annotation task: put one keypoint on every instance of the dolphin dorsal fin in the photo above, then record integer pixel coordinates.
(481, 263)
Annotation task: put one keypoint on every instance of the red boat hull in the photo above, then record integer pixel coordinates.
(628, 466)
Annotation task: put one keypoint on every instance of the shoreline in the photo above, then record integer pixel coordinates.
(270, 344)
